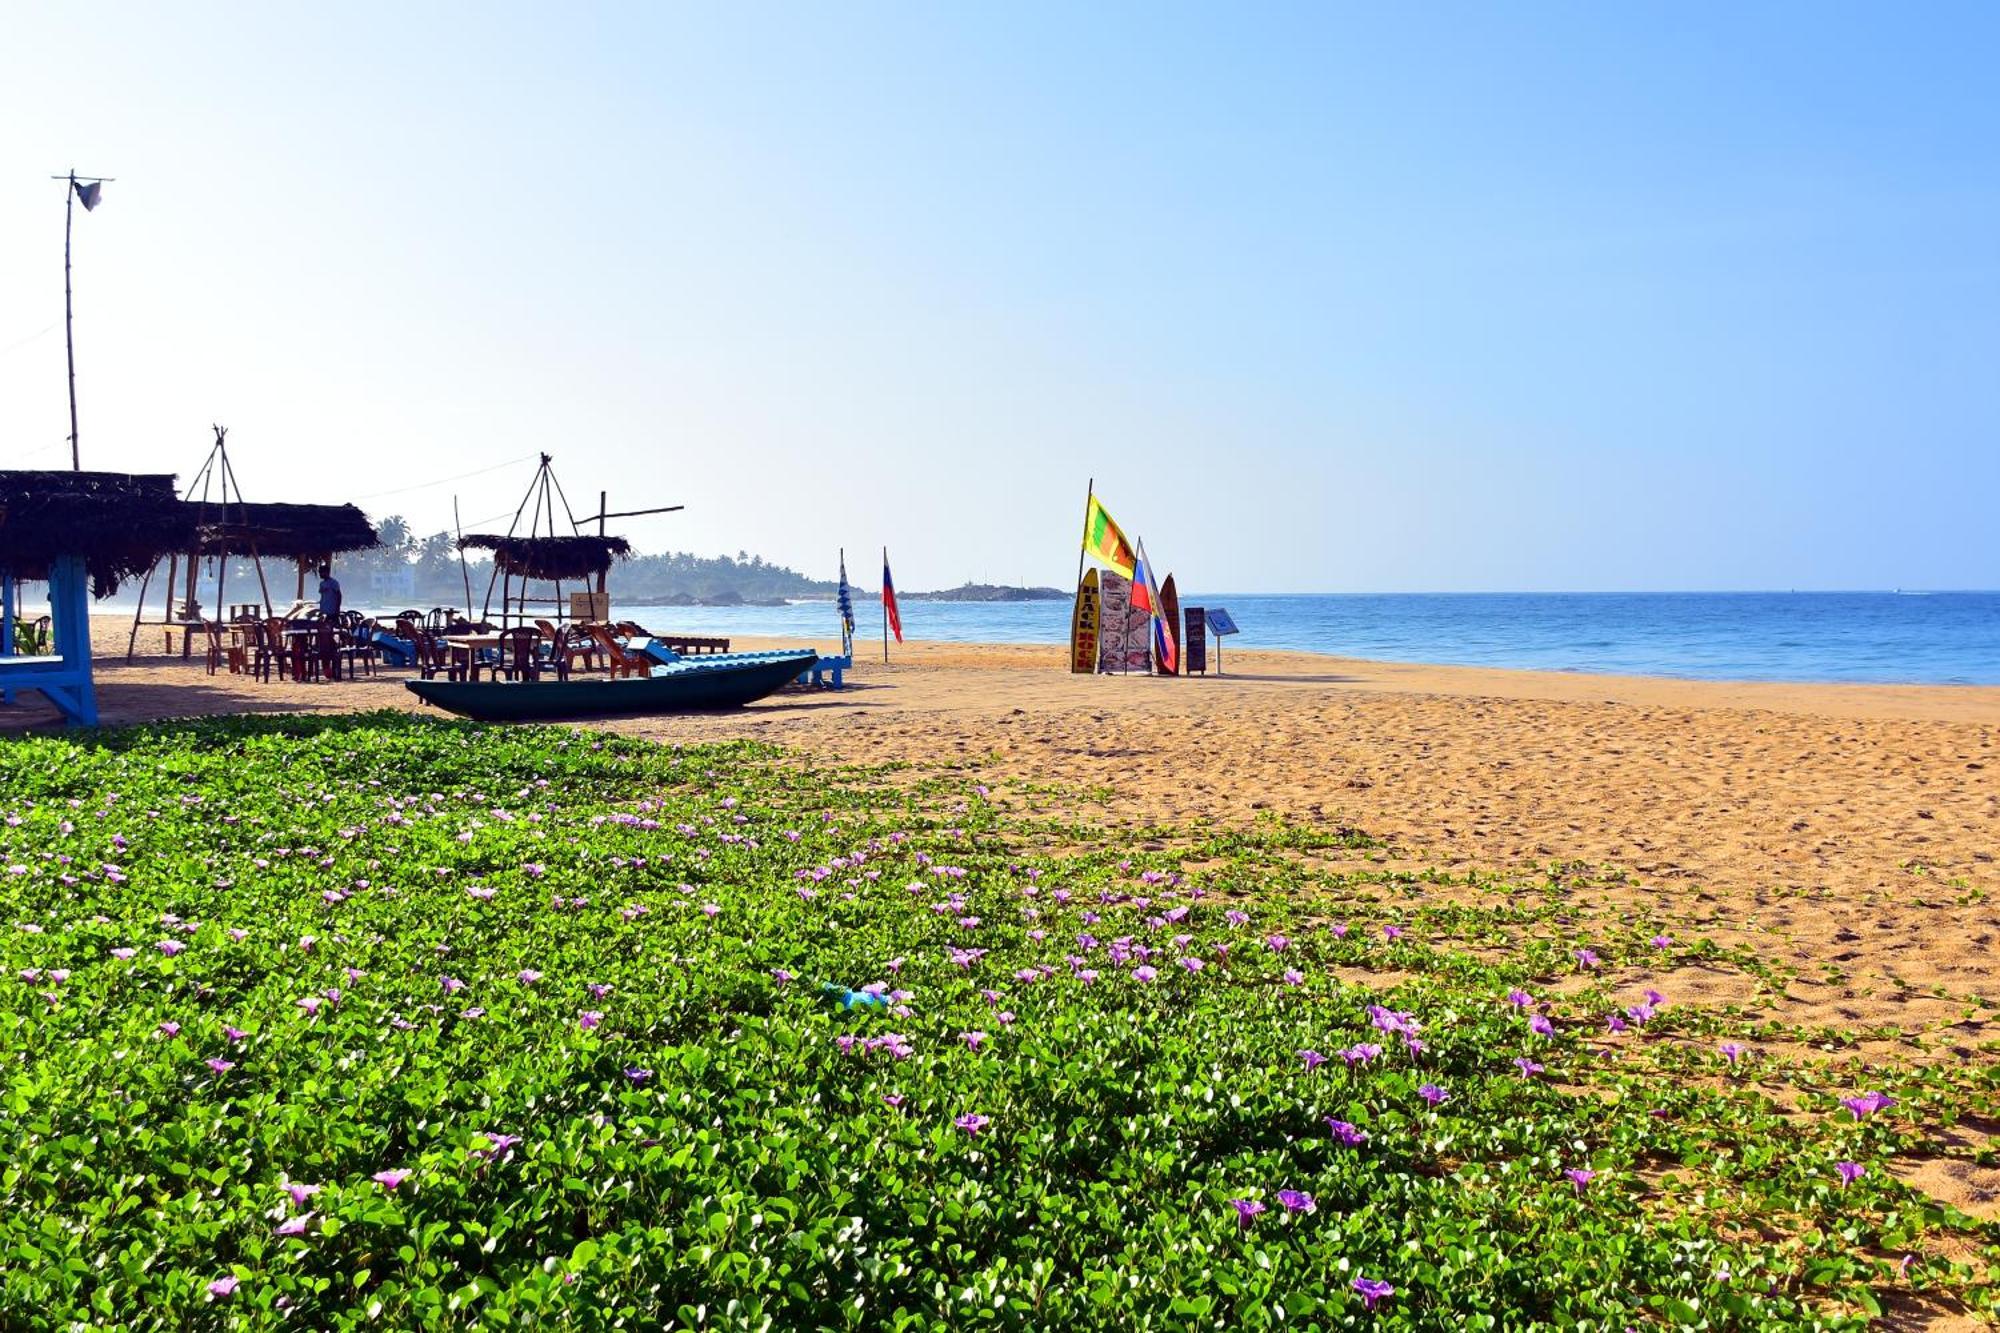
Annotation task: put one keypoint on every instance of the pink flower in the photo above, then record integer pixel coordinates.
(294, 1226)
(300, 1193)
(219, 1065)
(972, 1124)
(222, 1286)
(389, 1180)
(589, 1019)
(170, 948)
(973, 1040)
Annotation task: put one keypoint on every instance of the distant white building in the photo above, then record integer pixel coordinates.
(396, 587)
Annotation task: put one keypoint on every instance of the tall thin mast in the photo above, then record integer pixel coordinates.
(69, 321)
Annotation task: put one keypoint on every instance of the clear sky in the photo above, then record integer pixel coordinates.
(1325, 297)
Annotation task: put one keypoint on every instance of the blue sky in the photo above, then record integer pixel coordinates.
(1326, 298)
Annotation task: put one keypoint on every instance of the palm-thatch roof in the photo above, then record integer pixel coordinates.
(549, 558)
(120, 523)
(284, 531)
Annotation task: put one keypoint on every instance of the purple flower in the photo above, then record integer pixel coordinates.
(535, 869)
(219, 1065)
(1392, 932)
(1372, 1290)
(1526, 1066)
(1312, 1058)
(389, 1180)
(1615, 1023)
(638, 1075)
(1849, 1172)
(1867, 1104)
(452, 985)
(527, 976)
(222, 1286)
(170, 1029)
(1587, 958)
(1663, 941)
(1345, 1133)
(589, 1019)
(1144, 973)
(170, 948)
(1296, 1201)
(973, 1040)
(499, 1145)
(893, 1100)
(233, 1033)
(1541, 1027)
(1520, 999)
(1580, 1176)
(1730, 1051)
(123, 953)
(972, 1124)
(1432, 1093)
(1246, 1210)
(294, 1226)
(300, 1193)
(1294, 977)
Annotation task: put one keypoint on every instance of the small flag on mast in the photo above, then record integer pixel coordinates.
(88, 193)
(889, 598)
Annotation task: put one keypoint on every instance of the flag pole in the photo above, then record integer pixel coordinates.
(69, 320)
(70, 187)
(1089, 493)
(885, 609)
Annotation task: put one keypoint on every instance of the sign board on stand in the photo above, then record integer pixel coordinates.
(1114, 603)
(590, 607)
(1220, 622)
(1194, 643)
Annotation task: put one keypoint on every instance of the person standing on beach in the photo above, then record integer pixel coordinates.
(329, 619)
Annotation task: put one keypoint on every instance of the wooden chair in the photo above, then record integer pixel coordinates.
(267, 649)
(620, 662)
(212, 633)
(518, 654)
(434, 656)
(562, 647)
(357, 646)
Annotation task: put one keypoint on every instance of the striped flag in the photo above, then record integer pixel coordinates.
(846, 600)
(889, 598)
(1105, 540)
(1146, 594)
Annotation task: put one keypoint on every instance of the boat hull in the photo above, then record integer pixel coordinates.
(691, 686)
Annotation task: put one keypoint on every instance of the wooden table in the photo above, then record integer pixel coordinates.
(465, 650)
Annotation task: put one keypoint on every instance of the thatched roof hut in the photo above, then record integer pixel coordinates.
(303, 533)
(120, 523)
(549, 558)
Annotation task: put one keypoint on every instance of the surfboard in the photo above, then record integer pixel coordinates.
(1169, 623)
(1083, 626)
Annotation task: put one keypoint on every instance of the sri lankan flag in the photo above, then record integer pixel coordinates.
(1105, 540)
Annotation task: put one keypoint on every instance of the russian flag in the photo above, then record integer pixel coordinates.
(889, 598)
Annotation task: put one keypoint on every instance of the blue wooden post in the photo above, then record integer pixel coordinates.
(64, 675)
(9, 645)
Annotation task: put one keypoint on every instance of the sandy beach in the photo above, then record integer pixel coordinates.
(1852, 825)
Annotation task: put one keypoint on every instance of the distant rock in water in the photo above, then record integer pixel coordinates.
(988, 592)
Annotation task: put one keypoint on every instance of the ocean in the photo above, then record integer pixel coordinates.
(1928, 638)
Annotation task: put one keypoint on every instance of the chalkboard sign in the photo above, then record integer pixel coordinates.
(1194, 642)
(1220, 622)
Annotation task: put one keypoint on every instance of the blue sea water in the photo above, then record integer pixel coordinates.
(1929, 638)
